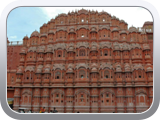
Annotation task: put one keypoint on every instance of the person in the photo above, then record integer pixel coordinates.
(22, 111)
(55, 111)
(29, 111)
(43, 110)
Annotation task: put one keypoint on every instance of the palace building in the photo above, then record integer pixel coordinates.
(84, 61)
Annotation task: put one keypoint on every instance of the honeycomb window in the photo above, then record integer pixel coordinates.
(82, 35)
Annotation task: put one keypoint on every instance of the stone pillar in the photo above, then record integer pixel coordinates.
(99, 101)
(65, 99)
(115, 91)
(134, 100)
(73, 100)
(125, 100)
(90, 110)
(148, 100)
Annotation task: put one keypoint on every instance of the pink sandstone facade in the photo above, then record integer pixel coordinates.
(84, 61)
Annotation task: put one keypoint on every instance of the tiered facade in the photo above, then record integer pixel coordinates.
(84, 61)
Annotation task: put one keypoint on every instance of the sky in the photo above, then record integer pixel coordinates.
(23, 21)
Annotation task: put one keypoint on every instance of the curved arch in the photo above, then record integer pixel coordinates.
(82, 52)
(29, 68)
(107, 90)
(82, 27)
(82, 73)
(105, 66)
(140, 92)
(106, 73)
(26, 92)
(82, 90)
(57, 74)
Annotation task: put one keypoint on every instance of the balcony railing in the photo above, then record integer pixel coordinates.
(117, 57)
(147, 56)
(48, 59)
(136, 57)
(105, 57)
(15, 43)
(82, 57)
(40, 59)
(22, 60)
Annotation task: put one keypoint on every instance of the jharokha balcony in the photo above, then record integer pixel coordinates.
(125, 57)
(137, 57)
(57, 81)
(93, 57)
(70, 58)
(48, 59)
(105, 57)
(31, 59)
(82, 57)
(40, 59)
(147, 57)
(22, 60)
(117, 57)
(45, 82)
(70, 80)
(37, 82)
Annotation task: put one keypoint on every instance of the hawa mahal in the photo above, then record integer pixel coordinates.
(84, 61)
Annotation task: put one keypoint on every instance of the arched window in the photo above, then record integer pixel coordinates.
(82, 74)
(82, 52)
(58, 75)
(27, 75)
(82, 35)
(141, 99)
(59, 54)
(82, 20)
(139, 74)
(105, 52)
(25, 99)
(103, 19)
(107, 95)
(106, 74)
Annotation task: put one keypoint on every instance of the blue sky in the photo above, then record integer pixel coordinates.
(23, 21)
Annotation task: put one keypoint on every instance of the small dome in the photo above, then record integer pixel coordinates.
(35, 33)
(94, 48)
(114, 29)
(52, 20)
(25, 37)
(19, 71)
(122, 21)
(94, 69)
(71, 48)
(44, 24)
(43, 35)
(123, 32)
(132, 29)
(51, 32)
(39, 70)
(149, 69)
(113, 17)
(70, 70)
(47, 70)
